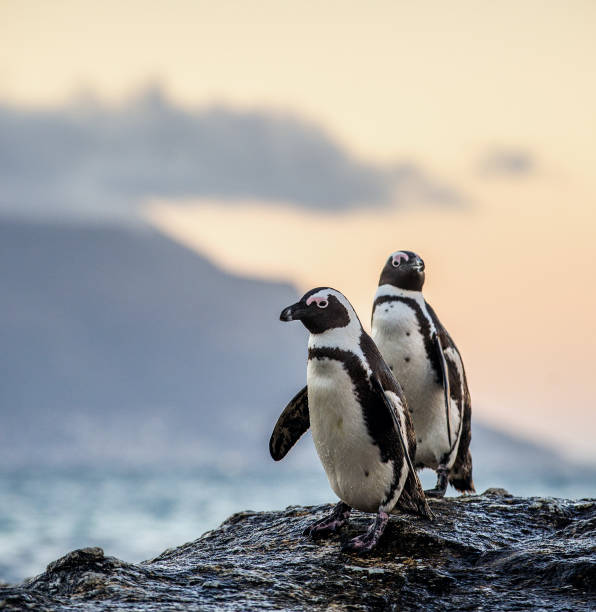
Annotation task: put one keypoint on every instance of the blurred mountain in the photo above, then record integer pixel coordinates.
(122, 344)
(123, 347)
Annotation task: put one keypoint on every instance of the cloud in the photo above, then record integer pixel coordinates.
(88, 159)
(508, 163)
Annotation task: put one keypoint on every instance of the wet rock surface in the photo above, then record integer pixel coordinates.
(491, 552)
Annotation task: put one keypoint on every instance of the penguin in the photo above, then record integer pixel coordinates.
(361, 429)
(422, 355)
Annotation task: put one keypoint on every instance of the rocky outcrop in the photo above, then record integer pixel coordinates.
(491, 552)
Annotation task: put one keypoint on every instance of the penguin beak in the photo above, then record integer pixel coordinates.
(295, 312)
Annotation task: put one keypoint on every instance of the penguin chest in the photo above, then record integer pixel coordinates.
(397, 333)
(350, 459)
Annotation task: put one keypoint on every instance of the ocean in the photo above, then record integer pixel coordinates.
(131, 514)
(135, 514)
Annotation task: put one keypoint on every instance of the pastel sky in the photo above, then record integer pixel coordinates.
(495, 99)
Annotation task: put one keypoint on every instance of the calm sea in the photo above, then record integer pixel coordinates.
(136, 514)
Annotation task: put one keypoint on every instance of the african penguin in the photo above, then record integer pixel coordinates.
(430, 369)
(362, 432)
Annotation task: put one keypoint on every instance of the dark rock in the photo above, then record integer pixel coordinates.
(491, 552)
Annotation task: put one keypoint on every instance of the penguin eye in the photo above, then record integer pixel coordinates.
(322, 303)
(396, 263)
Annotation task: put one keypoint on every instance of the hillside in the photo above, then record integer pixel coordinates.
(118, 341)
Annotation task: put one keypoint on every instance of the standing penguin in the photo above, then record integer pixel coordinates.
(426, 361)
(356, 410)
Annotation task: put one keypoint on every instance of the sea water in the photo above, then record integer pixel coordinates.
(135, 514)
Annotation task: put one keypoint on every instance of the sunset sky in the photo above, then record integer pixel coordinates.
(494, 100)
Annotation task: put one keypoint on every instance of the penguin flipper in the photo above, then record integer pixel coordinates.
(412, 498)
(460, 475)
(290, 426)
(378, 387)
(461, 472)
(445, 375)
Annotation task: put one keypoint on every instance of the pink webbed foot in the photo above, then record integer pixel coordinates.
(366, 542)
(331, 523)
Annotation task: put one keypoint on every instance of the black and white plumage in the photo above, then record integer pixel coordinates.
(355, 408)
(430, 369)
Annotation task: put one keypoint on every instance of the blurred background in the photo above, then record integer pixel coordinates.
(173, 174)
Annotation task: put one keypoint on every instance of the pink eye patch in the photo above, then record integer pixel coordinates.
(398, 257)
(316, 300)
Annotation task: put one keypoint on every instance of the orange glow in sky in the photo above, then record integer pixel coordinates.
(438, 84)
(509, 275)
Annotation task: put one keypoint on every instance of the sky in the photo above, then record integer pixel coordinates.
(490, 102)
(389, 78)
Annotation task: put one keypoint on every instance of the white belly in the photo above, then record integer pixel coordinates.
(351, 461)
(396, 332)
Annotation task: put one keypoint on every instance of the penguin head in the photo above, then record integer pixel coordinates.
(404, 270)
(321, 309)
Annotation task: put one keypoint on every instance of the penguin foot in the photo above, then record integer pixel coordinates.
(367, 541)
(441, 486)
(331, 523)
